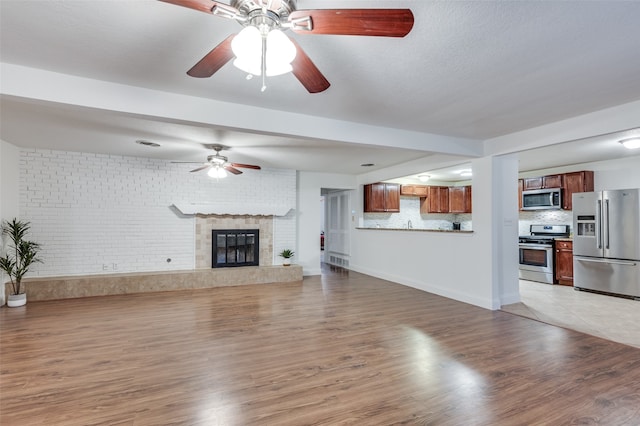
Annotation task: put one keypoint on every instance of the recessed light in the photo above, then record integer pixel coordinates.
(367, 164)
(465, 172)
(147, 143)
(631, 143)
(424, 178)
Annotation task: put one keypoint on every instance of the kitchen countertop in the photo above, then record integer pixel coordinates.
(451, 231)
(564, 239)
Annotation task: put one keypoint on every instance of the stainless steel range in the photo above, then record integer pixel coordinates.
(536, 251)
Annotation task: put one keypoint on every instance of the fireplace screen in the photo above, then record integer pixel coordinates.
(235, 247)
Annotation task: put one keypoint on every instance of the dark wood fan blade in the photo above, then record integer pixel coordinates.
(366, 22)
(214, 60)
(233, 170)
(246, 166)
(307, 72)
(206, 166)
(206, 6)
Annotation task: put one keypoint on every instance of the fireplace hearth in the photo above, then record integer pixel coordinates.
(235, 247)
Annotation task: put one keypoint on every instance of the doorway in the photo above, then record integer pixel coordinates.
(336, 239)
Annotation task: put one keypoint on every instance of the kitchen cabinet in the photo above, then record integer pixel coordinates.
(460, 199)
(575, 182)
(437, 200)
(542, 182)
(564, 262)
(382, 198)
(520, 187)
(417, 190)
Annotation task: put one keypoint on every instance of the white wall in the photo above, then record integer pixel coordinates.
(9, 180)
(89, 210)
(616, 174)
(9, 190)
(309, 192)
(466, 267)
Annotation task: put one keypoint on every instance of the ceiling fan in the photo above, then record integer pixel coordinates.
(271, 16)
(218, 164)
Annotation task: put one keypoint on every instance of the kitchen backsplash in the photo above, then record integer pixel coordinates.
(410, 211)
(544, 217)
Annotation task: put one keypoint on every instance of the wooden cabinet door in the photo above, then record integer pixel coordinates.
(564, 262)
(420, 190)
(382, 197)
(459, 199)
(438, 199)
(407, 190)
(374, 195)
(532, 183)
(575, 182)
(520, 187)
(444, 199)
(467, 201)
(391, 197)
(552, 181)
(417, 190)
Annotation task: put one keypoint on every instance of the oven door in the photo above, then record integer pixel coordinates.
(536, 257)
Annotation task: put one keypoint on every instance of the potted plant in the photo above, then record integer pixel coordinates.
(20, 255)
(286, 254)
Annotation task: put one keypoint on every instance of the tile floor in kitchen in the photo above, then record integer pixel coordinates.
(609, 317)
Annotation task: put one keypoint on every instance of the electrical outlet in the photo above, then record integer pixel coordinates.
(115, 266)
(105, 267)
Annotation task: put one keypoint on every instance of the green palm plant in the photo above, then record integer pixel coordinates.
(21, 253)
(286, 253)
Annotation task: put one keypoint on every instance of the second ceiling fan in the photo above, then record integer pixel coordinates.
(263, 21)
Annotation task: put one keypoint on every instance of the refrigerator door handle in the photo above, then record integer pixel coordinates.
(599, 225)
(598, 260)
(605, 222)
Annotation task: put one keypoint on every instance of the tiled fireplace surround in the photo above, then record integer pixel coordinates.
(205, 223)
(203, 276)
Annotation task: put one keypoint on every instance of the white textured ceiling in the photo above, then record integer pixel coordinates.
(470, 69)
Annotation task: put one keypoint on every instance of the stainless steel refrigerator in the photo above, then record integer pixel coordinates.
(606, 241)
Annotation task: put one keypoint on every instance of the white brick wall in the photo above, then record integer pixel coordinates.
(90, 210)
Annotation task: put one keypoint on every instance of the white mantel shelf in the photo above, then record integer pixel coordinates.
(239, 210)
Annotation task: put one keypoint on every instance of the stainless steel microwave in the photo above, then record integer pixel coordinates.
(542, 199)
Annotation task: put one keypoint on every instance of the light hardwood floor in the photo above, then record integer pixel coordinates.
(344, 348)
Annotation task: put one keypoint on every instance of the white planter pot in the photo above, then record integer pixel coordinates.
(16, 300)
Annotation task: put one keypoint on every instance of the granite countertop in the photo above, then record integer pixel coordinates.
(451, 231)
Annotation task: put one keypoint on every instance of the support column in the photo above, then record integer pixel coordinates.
(495, 222)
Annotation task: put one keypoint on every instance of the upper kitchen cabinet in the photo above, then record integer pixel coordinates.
(382, 198)
(437, 200)
(542, 182)
(460, 199)
(575, 182)
(520, 188)
(416, 190)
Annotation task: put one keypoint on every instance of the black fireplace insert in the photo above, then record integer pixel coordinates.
(235, 247)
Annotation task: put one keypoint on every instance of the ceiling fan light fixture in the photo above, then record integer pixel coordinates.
(217, 172)
(631, 143)
(247, 47)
